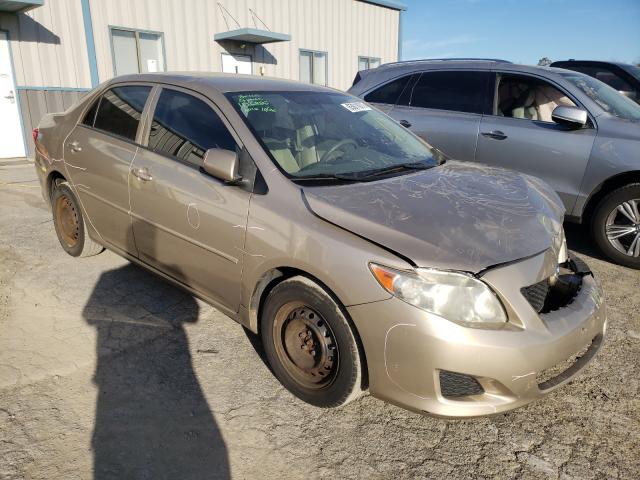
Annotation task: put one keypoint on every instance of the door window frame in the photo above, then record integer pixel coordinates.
(591, 123)
(136, 32)
(98, 97)
(144, 143)
(485, 103)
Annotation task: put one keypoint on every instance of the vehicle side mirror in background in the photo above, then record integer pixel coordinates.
(222, 164)
(569, 116)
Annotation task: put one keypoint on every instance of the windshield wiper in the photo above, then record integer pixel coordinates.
(378, 172)
(323, 177)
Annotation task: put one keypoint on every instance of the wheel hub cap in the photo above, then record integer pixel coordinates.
(67, 220)
(307, 346)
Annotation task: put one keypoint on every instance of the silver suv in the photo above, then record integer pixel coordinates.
(573, 131)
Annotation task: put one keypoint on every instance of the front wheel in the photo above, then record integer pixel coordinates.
(69, 223)
(310, 344)
(616, 225)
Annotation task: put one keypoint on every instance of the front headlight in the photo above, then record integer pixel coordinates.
(457, 297)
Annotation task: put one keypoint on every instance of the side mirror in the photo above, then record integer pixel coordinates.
(222, 164)
(569, 116)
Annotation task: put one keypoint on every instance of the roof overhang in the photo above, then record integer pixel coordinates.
(252, 35)
(393, 4)
(17, 6)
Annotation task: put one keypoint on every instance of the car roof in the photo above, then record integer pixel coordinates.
(221, 82)
(591, 62)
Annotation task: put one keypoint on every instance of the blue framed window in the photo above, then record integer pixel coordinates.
(313, 67)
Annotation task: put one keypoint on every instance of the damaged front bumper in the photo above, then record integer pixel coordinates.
(424, 363)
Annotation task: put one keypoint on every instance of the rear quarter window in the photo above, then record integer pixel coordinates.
(388, 93)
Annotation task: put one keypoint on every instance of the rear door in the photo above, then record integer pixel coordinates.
(186, 223)
(520, 134)
(98, 154)
(445, 108)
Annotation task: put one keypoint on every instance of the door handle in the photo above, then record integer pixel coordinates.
(11, 96)
(142, 174)
(495, 134)
(405, 123)
(75, 147)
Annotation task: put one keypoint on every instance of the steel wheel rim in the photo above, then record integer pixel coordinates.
(67, 221)
(622, 228)
(305, 345)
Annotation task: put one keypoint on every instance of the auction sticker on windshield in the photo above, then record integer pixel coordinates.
(356, 107)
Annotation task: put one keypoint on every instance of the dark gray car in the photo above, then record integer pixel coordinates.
(567, 128)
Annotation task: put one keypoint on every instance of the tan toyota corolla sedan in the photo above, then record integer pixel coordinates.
(362, 256)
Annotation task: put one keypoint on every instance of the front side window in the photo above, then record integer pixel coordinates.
(390, 92)
(185, 127)
(313, 67)
(136, 51)
(606, 97)
(454, 91)
(120, 110)
(524, 97)
(330, 135)
(365, 63)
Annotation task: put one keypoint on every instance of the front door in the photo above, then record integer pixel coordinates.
(186, 223)
(98, 155)
(11, 136)
(232, 63)
(521, 135)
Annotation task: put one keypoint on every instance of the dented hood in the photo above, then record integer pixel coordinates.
(459, 216)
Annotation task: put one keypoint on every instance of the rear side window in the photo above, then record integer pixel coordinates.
(454, 91)
(388, 93)
(185, 127)
(120, 110)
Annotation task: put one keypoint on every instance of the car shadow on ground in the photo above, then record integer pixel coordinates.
(579, 240)
(152, 419)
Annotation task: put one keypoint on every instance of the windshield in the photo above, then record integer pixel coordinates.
(323, 135)
(609, 99)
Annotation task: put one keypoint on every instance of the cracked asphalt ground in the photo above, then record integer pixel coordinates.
(109, 372)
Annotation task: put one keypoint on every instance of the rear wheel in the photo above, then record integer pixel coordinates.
(616, 225)
(69, 223)
(310, 344)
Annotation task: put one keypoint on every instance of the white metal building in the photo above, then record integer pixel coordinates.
(53, 51)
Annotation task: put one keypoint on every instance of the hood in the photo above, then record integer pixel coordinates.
(457, 216)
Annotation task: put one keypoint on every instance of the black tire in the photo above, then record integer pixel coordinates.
(602, 213)
(69, 223)
(340, 384)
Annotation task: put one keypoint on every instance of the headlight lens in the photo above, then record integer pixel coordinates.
(454, 296)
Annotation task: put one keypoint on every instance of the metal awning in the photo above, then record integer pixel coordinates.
(252, 35)
(17, 6)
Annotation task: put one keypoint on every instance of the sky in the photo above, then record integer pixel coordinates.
(522, 31)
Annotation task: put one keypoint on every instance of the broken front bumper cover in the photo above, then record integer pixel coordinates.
(411, 351)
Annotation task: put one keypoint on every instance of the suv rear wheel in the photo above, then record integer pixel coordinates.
(616, 225)
(69, 223)
(310, 344)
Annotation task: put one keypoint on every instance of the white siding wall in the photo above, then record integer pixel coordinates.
(48, 45)
(343, 28)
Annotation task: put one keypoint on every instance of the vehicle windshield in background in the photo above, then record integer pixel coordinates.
(330, 135)
(633, 71)
(606, 97)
